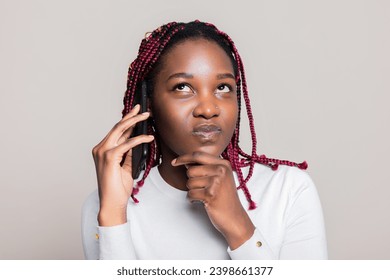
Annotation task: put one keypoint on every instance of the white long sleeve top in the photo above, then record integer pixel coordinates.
(165, 225)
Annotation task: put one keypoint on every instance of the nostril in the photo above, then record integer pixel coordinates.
(206, 110)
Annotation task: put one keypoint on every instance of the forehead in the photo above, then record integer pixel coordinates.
(195, 55)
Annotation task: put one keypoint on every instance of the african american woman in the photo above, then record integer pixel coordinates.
(200, 196)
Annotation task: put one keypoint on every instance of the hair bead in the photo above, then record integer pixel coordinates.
(303, 165)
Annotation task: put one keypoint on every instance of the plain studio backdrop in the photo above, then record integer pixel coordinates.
(318, 75)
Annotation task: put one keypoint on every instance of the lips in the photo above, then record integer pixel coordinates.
(206, 131)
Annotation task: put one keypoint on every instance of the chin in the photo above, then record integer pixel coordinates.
(212, 150)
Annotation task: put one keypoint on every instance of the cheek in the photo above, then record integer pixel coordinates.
(174, 129)
(231, 115)
(171, 119)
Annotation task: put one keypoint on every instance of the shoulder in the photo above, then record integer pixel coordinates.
(284, 172)
(287, 180)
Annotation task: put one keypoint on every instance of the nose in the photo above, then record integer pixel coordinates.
(206, 107)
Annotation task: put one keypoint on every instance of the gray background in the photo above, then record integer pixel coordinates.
(318, 76)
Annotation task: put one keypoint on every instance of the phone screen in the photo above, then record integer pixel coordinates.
(140, 152)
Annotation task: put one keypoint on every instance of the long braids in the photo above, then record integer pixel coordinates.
(150, 51)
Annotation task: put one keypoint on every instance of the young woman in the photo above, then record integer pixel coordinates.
(189, 206)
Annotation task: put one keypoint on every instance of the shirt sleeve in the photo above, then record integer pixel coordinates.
(115, 243)
(255, 248)
(112, 242)
(305, 236)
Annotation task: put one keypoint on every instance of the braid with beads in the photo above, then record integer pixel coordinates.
(148, 63)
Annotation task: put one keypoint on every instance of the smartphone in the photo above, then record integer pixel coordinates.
(140, 152)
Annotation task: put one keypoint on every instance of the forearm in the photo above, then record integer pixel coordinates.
(239, 232)
(112, 217)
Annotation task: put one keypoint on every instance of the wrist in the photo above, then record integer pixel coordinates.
(112, 217)
(240, 233)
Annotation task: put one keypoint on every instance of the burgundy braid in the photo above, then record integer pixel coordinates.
(149, 52)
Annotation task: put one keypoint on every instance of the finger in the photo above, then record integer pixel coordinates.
(201, 170)
(126, 135)
(116, 154)
(197, 158)
(198, 183)
(128, 132)
(127, 164)
(120, 128)
(132, 112)
(197, 195)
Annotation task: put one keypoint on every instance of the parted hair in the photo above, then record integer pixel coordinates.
(148, 64)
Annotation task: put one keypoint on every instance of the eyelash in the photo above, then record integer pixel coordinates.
(180, 84)
(226, 85)
(187, 85)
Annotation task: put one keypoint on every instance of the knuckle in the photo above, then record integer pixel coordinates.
(189, 183)
(107, 155)
(118, 126)
(189, 173)
(221, 170)
(94, 151)
(210, 192)
(97, 152)
(216, 181)
(190, 194)
(227, 164)
(100, 154)
(196, 154)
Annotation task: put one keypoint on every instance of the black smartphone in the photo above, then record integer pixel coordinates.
(140, 152)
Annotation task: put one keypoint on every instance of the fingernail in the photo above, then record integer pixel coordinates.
(173, 162)
(145, 113)
(136, 106)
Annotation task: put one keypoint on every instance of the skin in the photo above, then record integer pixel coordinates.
(195, 87)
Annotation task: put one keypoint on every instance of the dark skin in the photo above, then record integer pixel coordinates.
(195, 109)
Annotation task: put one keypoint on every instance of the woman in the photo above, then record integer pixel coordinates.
(189, 206)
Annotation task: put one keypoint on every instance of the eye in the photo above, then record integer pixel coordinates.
(224, 88)
(181, 87)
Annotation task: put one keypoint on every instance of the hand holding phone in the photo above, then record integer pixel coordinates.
(114, 167)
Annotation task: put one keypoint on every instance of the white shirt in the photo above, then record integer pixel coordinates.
(165, 225)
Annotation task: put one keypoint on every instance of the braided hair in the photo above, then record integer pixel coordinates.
(148, 64)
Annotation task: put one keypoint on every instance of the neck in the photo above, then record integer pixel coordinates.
(174, 176)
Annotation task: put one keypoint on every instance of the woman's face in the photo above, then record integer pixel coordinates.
(194, 102)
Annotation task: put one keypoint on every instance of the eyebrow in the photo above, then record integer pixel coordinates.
(180, 75)
(225, 75)
(190, 76)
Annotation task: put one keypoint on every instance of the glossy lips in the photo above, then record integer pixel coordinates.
(206, 131)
